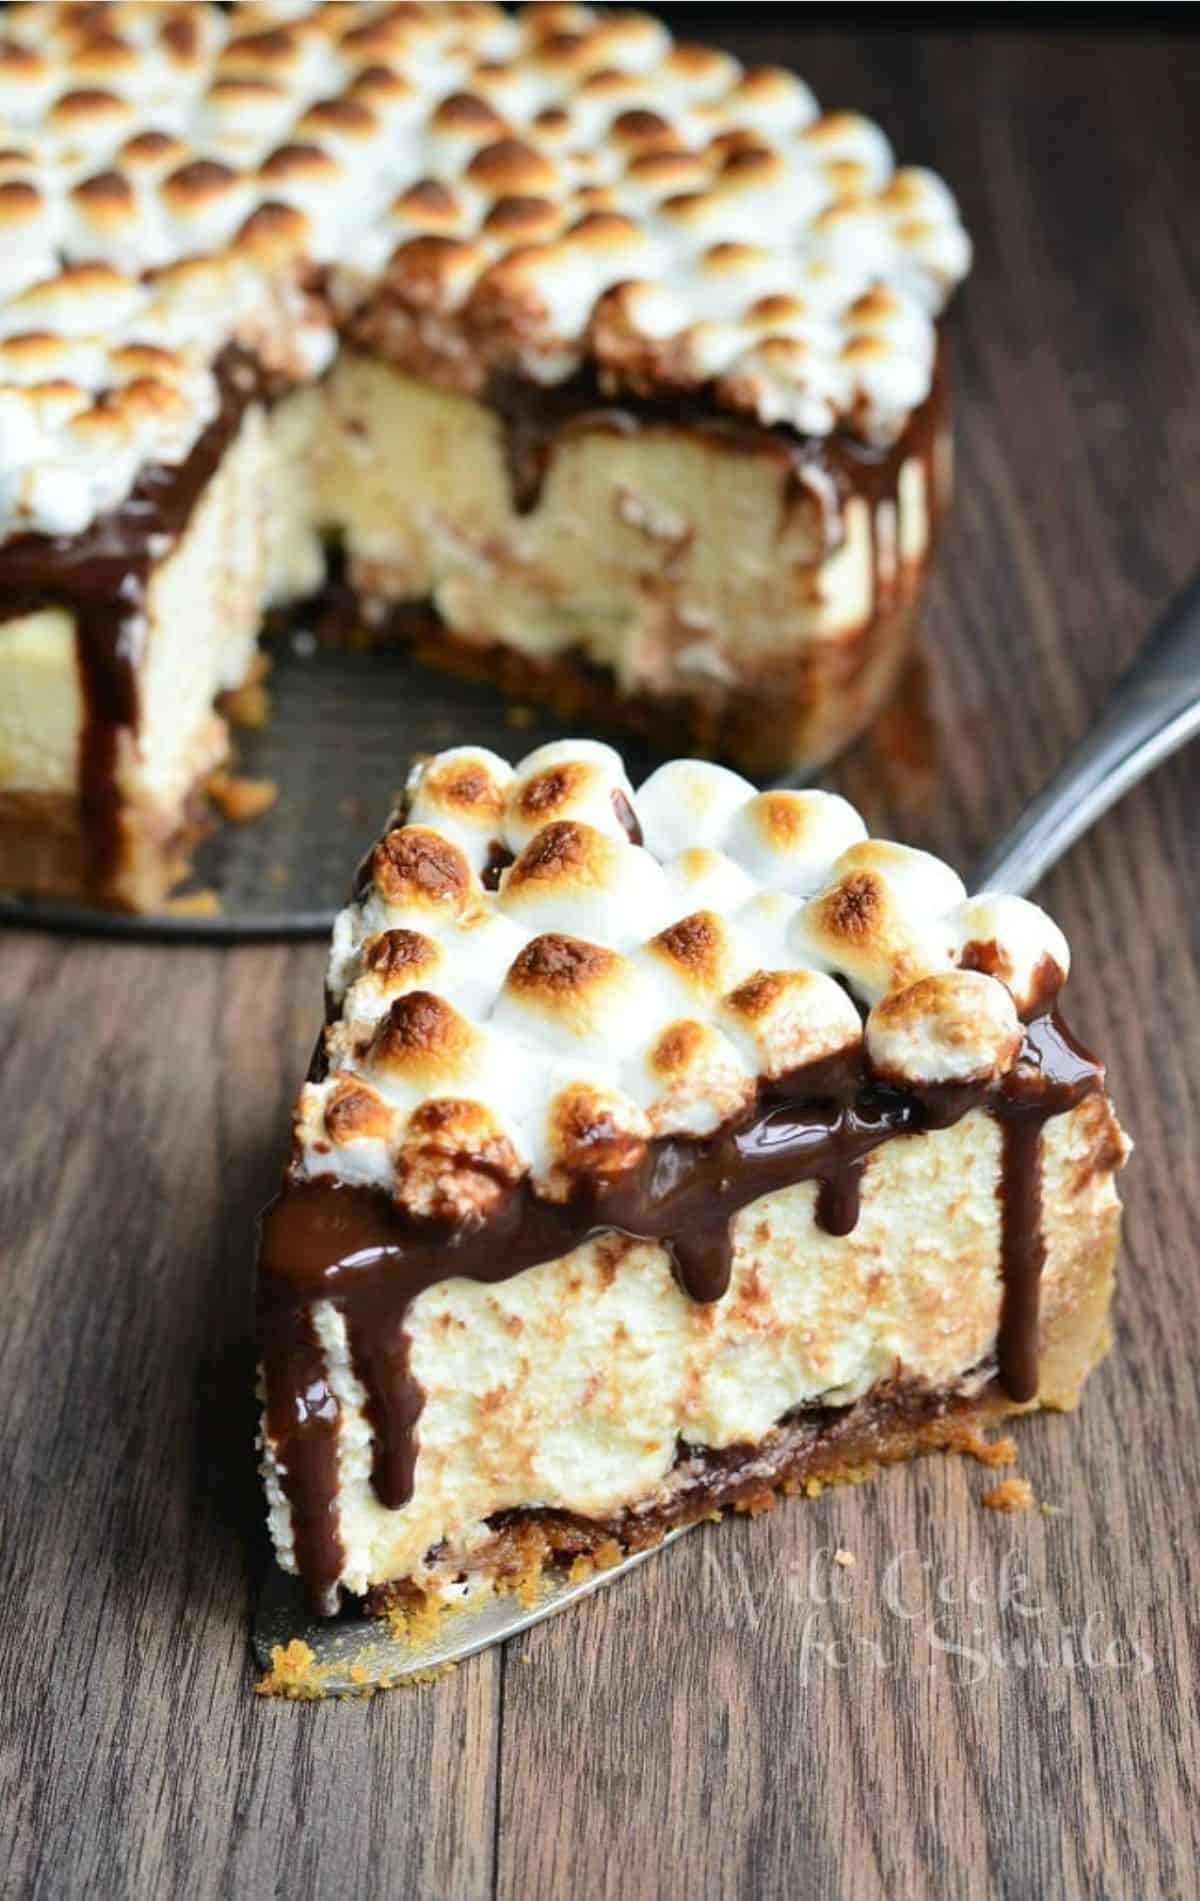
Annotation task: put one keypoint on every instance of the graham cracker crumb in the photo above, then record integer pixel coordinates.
(528, 1586)
(248, 705)
(603, 1558)
(416, 1619)
(843, 1557)
(296, 1675)
(194, 904)
(990, 1452)
(239, 798)
(433, 1675)
(293, 1673)
(1011, 1495)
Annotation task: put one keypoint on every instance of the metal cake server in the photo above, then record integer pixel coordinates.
(1154, 707)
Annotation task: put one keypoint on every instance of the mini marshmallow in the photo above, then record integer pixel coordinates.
(783, 1020)
(344, 1128)
(589, 1128)
(573, 878)
(701, 880)
(860, 929)
(691, 1079)
(696, 959)
(788, 841)
(420, 1047)
(570, 779)
(567, 994)
(463, 793)
(478, 955)
(765, 925)
(956, 1027)
(418, 877)
(920, 881)
(689, 803)
(1013, 940)
(454, 1162)
(392, 962)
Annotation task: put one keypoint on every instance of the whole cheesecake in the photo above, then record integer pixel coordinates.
(599, 365)
(661, 1150)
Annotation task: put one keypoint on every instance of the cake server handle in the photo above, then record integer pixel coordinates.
(1153, 708)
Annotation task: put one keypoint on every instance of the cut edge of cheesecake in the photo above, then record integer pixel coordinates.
(127, 637)
(662, 1151)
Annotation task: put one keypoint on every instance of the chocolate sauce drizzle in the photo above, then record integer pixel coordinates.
(101, 576)
(322, 1241)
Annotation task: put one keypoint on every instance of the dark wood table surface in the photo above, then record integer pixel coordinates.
(979, 1705)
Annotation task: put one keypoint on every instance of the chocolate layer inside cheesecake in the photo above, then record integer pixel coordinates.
(354, 1247)
(812, 1447)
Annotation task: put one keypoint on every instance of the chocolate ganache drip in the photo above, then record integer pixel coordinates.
(354, 1247)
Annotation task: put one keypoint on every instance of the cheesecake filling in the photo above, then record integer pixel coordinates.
(342, 1269)
(683, 550)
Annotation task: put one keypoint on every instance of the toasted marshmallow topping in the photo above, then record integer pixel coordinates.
(463, 794)
(536, 192)
(956, 1027)
(609, 992)
(1012, 939)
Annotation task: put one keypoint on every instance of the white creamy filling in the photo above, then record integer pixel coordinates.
(41, 702)
(659, 554)
(570, 1384)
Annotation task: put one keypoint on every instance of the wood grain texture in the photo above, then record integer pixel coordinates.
(742, 1717)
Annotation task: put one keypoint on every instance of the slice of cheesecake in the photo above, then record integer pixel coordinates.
(613, 371)
(661, 1149)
